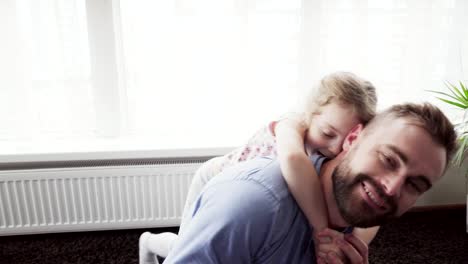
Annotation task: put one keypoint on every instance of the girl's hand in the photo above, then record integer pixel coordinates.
(325, 244)
(336, 248)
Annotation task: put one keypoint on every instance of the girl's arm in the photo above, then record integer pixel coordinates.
(299, 172)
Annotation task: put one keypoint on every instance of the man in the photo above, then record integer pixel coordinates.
(247, 215)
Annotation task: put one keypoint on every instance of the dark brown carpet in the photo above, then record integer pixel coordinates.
(425, 237)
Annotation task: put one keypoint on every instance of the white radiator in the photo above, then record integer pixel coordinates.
(93, 198)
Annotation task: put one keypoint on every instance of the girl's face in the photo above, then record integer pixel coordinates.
(329, 128)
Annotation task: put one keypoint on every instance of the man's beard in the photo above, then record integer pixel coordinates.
(354, 210)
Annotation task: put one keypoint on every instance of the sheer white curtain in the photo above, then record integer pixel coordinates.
(45, 90)
(97, 75)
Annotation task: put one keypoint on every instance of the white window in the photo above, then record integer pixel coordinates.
(81, 76)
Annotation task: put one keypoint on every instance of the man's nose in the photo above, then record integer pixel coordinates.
(393, 183)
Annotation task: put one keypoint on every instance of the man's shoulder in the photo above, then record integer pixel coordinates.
(263, 171)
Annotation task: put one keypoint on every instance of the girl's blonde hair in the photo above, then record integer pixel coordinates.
(346, 89)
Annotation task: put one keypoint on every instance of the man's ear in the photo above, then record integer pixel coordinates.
(352, 136)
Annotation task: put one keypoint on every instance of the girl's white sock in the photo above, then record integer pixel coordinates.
(160, 244)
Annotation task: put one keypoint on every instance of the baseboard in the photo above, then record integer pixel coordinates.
(427, 208)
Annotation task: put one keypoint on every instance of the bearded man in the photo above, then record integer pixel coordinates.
(247, 215)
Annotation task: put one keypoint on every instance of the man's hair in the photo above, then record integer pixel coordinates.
(346, 89)
(426, 116)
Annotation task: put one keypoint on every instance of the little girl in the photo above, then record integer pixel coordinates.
(341, 101)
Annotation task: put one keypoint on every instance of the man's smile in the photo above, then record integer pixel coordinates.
(372, 197)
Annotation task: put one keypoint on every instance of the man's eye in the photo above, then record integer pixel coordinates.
(414, 186)
(389, 162)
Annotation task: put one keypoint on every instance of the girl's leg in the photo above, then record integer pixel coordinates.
(160, 244)
(153, 245)
(206, 171)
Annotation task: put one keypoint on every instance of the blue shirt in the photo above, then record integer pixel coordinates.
(247, 215)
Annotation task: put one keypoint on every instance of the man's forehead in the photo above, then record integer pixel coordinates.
(391, 126)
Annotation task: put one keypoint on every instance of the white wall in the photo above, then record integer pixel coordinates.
(451, 189)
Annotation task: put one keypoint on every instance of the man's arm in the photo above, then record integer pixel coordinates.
(230, 224)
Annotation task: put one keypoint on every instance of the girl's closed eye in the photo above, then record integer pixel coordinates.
(327, 133)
